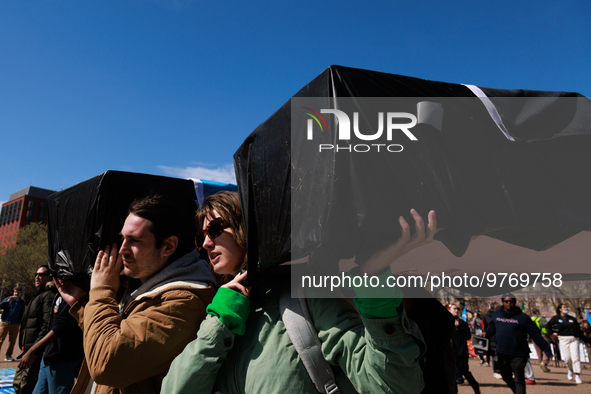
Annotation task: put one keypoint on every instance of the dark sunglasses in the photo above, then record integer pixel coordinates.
(214, 229)
(41, 274)
(509, 301)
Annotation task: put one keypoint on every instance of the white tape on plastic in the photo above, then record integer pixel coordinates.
(198, 190)
(492, 110)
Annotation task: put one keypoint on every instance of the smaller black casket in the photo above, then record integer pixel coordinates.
(87, 216)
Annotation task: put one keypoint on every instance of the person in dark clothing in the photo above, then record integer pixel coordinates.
(541, 323)
(478, 325)
(13, 308)
(34, 327)
(586, 330)
(63, 352)
(511, 327)
(492, 348)
(566, 329)
(437, 327)
(460, 335)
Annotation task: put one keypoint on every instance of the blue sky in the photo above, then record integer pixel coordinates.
(173, 87)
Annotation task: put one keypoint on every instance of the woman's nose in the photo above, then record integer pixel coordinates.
(208, 243)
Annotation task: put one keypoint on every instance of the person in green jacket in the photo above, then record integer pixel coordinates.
(243, 346)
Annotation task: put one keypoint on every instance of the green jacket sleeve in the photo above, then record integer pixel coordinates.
(231, 308)
(196, 368)
(375, 303)
(376, 355)
(198, 365)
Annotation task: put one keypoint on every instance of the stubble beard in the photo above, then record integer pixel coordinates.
(146, 268)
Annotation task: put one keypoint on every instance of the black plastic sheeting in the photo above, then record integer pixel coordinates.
(86, 217)
(532, 192)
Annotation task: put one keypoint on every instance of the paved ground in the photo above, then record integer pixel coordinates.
(16, 352)
(6, 364)
(554, 382)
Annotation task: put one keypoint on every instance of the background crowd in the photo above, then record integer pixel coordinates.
(502, 335)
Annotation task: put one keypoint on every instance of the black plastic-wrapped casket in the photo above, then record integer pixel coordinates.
(86, 217)
(510, 164)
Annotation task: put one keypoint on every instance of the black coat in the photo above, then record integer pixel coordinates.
(459, 339)
(35, 323)
(565, 326)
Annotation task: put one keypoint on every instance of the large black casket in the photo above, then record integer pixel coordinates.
(510, 164)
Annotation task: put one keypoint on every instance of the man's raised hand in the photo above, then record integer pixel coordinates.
(107, 268)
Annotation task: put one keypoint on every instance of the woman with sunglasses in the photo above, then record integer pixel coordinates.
(565, 328)
(243, 346)
(222, 236)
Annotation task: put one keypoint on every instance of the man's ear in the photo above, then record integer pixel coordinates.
(169, 245)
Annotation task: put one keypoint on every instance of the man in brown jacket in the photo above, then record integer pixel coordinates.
(130, 341)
